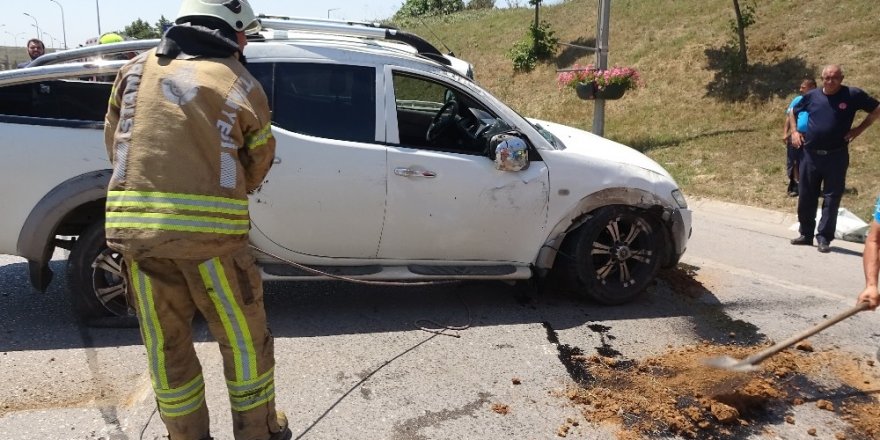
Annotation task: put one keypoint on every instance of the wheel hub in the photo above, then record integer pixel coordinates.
(621, 252)
(109, 283)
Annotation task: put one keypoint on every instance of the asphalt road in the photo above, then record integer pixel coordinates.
(353, 362)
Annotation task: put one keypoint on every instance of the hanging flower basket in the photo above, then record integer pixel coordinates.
(611, 91)
(591, 83)
(585, 90)
(589, 90)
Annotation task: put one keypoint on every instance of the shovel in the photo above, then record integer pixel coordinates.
(750, 363)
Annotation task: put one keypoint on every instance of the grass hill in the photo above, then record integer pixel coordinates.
(721, 137)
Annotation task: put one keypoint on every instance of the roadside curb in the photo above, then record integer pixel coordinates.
(778, 222)
(745, 212)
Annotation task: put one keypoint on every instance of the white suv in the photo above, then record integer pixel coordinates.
(392, 164)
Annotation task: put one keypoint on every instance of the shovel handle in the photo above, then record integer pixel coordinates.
(770, 351)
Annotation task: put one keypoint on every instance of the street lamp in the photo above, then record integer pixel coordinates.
(328, 11)
(50, 39)
(98, 11)
(63, 27)
(15, 36)
(36, 24)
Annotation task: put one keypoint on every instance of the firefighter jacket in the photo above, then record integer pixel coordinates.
(189, 138)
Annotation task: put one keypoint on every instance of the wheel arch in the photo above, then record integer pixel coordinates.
(646, 201)
(65, 210)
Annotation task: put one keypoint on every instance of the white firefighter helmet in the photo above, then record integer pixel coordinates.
(236, 13)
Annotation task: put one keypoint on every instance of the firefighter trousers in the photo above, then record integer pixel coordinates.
(228, 292)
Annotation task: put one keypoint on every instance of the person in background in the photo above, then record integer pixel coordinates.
(832, 110)
(188, 132)
(793, 154)
(871, 262)
(35, 49)
(110, 38)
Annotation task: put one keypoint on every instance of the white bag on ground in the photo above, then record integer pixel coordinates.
(849, 226)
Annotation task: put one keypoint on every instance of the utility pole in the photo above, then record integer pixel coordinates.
(51, 39)
(14, 37)
(63, 26)
(601, 62)
(6, 50)
(98, 10)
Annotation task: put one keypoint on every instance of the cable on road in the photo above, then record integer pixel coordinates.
(144, 429)
(436, 329)
(361, 382)
(440, 329)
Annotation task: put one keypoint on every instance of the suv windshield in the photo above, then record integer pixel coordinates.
(555, 141)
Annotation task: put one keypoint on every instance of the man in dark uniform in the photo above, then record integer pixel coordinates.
(832, 110)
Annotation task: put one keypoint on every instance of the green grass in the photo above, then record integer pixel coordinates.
(719, 138)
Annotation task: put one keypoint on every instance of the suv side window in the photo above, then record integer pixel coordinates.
(63, 100)
(417, 101)
(326, 100)
(264, 74)
(434, 116)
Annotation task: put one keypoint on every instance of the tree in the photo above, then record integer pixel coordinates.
(539, 45)
(481, 4)
(537, 5)
(745, 17)
(140, 30)
(162, 24)
(417, 8)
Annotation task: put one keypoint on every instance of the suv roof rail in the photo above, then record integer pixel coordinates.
(92, 51)
(353, 29)
(60, 71)
(322, 20)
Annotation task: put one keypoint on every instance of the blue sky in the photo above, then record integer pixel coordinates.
(81, 16)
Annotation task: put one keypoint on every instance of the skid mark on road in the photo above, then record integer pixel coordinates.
(108, 411)
(409, 430)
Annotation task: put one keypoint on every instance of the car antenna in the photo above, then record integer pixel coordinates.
(435, 36)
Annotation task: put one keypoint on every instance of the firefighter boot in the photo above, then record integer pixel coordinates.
(284, 433)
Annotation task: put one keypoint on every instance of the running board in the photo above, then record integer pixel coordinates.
(282, 272)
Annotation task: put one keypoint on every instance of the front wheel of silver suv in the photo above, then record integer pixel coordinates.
(614, 255)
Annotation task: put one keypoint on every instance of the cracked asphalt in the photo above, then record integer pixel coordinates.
(352, 361)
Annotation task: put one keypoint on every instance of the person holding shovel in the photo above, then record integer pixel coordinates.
(871, 262)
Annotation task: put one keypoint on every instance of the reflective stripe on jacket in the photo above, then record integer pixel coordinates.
(188, 139)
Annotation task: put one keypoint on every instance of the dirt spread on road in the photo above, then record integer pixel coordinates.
(677, 394)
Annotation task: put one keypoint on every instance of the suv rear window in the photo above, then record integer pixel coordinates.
(326, 100)
(69, 100)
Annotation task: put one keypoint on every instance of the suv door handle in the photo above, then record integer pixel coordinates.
(406, 172)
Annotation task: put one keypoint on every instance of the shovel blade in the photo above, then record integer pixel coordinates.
(730, 364)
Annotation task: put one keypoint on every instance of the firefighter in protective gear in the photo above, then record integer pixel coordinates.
(110, 38)
(188, 134)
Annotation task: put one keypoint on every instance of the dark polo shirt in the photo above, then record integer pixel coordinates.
(831, 117)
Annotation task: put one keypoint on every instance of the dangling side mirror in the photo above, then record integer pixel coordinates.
(509, 152)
